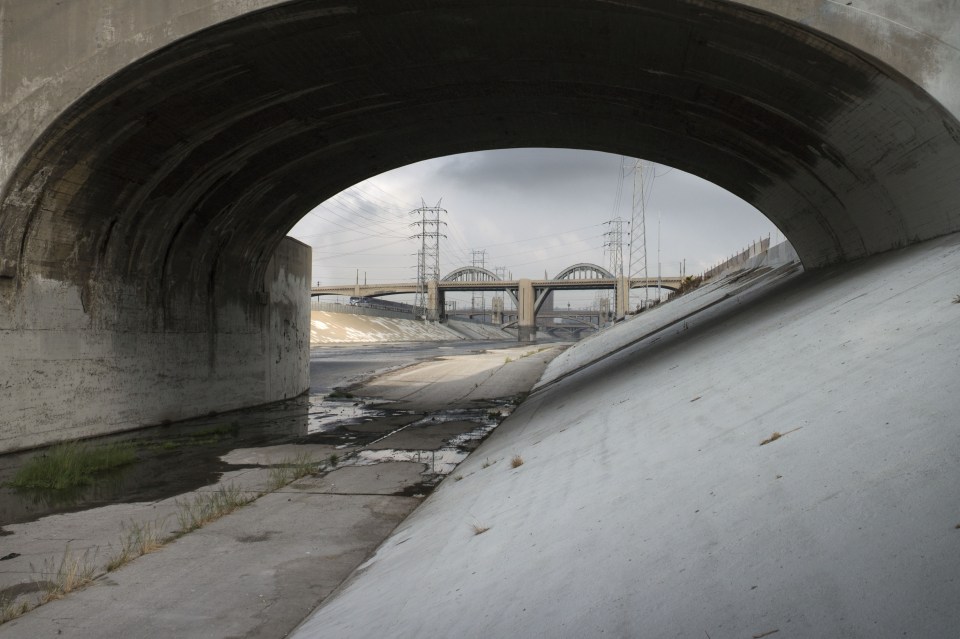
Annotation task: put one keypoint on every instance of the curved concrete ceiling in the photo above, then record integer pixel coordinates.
(180, 174)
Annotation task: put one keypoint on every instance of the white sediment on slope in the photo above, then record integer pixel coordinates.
(646, 506)
(338, 328)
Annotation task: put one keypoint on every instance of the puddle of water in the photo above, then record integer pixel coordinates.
(178, 458)
(185, 456)
(441, 461)
(328, 415)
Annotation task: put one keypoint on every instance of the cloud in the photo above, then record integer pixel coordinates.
(522, 170)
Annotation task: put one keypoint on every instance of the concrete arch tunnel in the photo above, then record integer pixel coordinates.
(150, 177)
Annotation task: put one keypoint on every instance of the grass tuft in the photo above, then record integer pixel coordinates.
(290, 470)
(72, 464)
(516, 462)
(478, 528)
(10, 609)
(334, 460)
(956, 299)
(137, 540)
(336, 393)
(487, 463)
(217, 432)
(73, 572)
(207, 507)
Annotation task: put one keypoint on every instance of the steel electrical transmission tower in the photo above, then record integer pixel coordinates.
(479, 261)
(428, 257)
(642, 184)
(613, 245)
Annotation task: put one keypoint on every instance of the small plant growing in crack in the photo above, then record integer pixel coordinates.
(457, 477)
(209, 506)
(487, 463)
(73, 572)
(10, 609)
(478, 528)
(516, 462)
(290, 469)
(137, 540)
(956, 299)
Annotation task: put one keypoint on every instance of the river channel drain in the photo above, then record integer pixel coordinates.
(178, 458)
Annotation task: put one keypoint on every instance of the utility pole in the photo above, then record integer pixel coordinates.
(428, 257)
(658, 259)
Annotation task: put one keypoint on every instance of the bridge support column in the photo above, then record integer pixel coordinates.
(441, 305)
(434, 301)
(527, 322)
(623, 296)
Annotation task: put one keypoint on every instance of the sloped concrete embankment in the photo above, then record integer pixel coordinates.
(339, 328)
(647, 506)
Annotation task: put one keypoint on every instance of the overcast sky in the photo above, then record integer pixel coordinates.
(532, 210)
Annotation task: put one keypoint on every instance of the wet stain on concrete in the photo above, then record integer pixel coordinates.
(259, 537)
(12, 592)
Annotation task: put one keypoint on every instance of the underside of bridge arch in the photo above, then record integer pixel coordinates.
(185, 170)
(168, 187)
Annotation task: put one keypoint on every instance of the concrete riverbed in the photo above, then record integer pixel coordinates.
(259, 570)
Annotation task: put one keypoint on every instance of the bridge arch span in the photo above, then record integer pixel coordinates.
(153, 163)
(591, 271)
(471, 274)
(666, 287)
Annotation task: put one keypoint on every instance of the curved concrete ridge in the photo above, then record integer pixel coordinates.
(646, 505)
(771, 270)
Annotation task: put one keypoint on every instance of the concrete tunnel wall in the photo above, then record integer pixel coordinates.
(155, 152)
(65, 376)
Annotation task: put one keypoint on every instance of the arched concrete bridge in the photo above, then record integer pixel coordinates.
(528, 295)
(156, 152)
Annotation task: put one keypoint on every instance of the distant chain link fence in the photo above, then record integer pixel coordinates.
(740, 258)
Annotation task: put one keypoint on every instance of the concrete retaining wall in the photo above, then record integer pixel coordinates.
(68, 373)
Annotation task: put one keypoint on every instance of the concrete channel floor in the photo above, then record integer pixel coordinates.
(260, 570)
